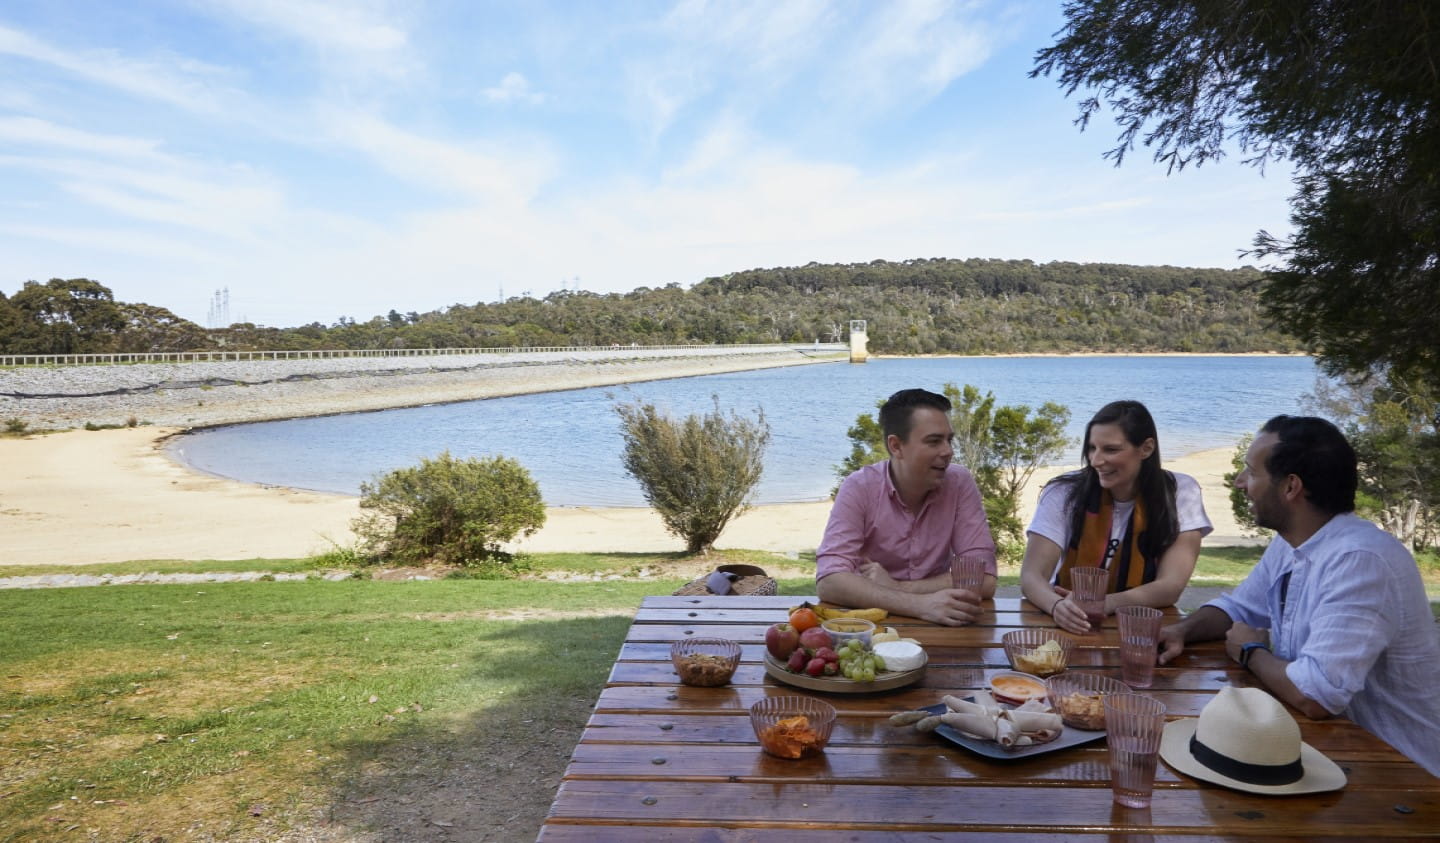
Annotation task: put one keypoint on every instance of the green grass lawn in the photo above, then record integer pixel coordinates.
(246, 709)
(141, 710)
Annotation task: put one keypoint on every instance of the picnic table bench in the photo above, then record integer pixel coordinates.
(659, 760)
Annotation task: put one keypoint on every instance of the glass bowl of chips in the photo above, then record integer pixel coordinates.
(792, 727)
(1039, 652)
(1079, 698)
(705, 662)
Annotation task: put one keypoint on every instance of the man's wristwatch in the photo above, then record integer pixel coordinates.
(1247, 650)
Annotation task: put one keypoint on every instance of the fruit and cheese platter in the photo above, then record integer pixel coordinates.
(838, 651)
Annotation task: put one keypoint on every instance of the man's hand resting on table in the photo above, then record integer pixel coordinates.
(948, 606)
(932, 599)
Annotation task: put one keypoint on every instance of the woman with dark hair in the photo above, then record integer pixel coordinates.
(1122, 512)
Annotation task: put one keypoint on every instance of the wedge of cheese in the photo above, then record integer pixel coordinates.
(900, 655)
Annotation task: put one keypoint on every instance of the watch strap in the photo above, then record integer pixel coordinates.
(1248, 650)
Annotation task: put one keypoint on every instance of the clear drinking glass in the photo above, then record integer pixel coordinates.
(1139, 634)
(1133, 726)
(968, 572)
(1087, 590)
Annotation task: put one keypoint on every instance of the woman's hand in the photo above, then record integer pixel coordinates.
(1069, 616)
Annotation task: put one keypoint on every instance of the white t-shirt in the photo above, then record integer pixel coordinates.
(1052, 516)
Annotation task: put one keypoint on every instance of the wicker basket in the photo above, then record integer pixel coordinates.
(749, 580)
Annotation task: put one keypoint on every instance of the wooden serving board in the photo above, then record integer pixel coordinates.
(887, 681)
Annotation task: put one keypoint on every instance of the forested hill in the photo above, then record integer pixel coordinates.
(919, 306)
(986, 306)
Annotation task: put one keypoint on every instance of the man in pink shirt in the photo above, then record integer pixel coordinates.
(895, 524)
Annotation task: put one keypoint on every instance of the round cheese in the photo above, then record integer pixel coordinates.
(900, 655)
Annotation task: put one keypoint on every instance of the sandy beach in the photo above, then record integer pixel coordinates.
(84, 497)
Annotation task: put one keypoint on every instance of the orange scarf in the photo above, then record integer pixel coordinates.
(1088, 548)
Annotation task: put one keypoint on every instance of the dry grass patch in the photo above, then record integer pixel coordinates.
(168, 685)
(246, 803)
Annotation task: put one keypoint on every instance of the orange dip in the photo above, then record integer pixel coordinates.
(1017, 688)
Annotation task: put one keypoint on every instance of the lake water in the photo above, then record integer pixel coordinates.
(571, 444)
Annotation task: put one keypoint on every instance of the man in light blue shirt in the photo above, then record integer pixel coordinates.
(1334, 618)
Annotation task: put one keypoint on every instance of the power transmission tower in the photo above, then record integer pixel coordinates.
(219, 313)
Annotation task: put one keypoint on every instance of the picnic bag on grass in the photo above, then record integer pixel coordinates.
(739, 580)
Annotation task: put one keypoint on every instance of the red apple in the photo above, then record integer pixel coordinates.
(815, 667)
(814, 638)
(798, 660)
(781, 640)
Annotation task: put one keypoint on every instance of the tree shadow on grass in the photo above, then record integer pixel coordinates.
(490, 772)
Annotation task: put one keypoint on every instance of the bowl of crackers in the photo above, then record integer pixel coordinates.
(1038, 652)
(1079, 698)
(792, 727)
(705, 662)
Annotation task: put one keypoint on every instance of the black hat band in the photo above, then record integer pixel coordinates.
(1243, 771)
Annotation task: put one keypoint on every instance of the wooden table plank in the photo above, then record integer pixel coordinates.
(1073, 807)
(916, 759)
(1209, 658)
(652, 834)
(770, 616)
(782, 603)
(977, 635)
(949, 677)
(671, 698)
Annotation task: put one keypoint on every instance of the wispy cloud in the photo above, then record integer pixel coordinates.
(328, 24)
(232, 205)
(486, 176)
(759, 37)
(861, 60)
(31, 131)
(189, 84)
(112, 240)
(514, 87)
(915, 49)
(707, 47)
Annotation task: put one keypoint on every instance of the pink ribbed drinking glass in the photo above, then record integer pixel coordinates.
(1139, 634)
(1133, 726)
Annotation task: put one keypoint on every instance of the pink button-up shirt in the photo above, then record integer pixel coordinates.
(869, 522)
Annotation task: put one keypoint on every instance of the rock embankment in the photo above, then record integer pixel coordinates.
(208, 393)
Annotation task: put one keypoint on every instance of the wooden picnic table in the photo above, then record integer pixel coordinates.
(663, 761)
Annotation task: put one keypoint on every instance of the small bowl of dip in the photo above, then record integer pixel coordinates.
(843, 629)
(1015, 687)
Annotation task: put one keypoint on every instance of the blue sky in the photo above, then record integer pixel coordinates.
(321, 159)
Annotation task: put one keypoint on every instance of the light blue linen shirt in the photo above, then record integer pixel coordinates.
(1356, 627)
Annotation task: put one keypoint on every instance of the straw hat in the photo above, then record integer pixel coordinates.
(1246, 740)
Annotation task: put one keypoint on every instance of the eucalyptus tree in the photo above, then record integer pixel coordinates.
(1347, 90)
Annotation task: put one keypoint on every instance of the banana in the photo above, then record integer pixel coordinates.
(827, 613)
(874, 616)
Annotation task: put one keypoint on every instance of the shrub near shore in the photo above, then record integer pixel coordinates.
(448, 511)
